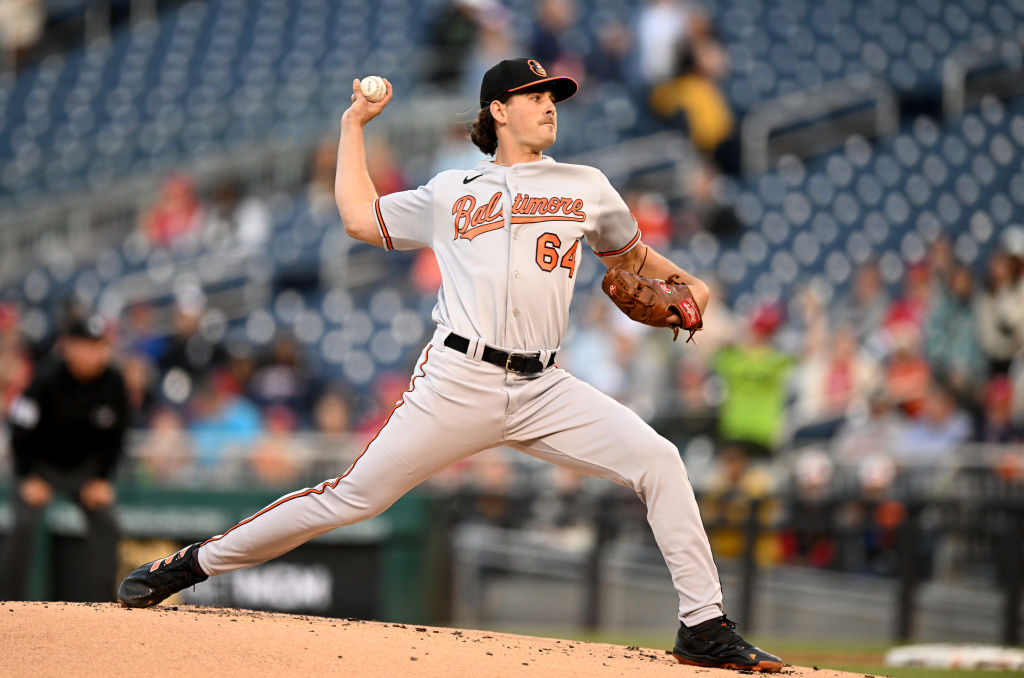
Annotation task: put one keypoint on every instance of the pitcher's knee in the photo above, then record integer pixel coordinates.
(357, 509)
(658, 460)
(663, 452)
(358, 515)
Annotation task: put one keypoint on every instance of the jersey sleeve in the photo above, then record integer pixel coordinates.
(405, 219)
(615, 231)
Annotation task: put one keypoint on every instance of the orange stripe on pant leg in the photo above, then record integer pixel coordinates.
(334, 483)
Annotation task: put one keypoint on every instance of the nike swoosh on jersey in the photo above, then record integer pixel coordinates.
(466, 180)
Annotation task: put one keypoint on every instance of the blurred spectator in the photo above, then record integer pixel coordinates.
(597, 353)
(907, 375)
(15, 362)
(864, 309)
(333, 424)
(320, 188)
(871, 522)
(727, 502)
(139, 334)
(223, 423)
(606, 61)
(998, 425)
(694, 402)
(387, 391)
(936, 433)
(754, 375)
(279, 457)
(550, 42)
(722, 328)
(166, 453)
(15, 374)
(833, 376)
(331, 414)
(493, 492)
(705, 209)
(456, 151)
(453, 33)
(236, 221)
(809, 535)
(426, 274)
(904, 320)
(67, 436)
(241, 367)
(951, 339)
(139, 378)
(1010, 469)
(876, 475)
(692, 99)
(951, 342)
(652, 216)
(870, 429)
(663, 27)
(189, 352)
(940, 260)
(21, 27)
(563, 508)
(283, 379)
(646, 358)
(380, 163)
(1000, 312)
(495, 42)
(177, 215)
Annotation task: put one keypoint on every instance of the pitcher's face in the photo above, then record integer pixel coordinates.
(532, 120)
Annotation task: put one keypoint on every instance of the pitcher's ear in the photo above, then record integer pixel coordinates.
(498, 111)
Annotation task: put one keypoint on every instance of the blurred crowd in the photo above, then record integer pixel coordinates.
(914, 371)
(876, 379)
(668, 57)
(910, 373)
(837, 415)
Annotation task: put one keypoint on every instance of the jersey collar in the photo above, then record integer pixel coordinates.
(486, 164)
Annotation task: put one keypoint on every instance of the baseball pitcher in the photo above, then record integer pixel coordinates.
(508, 236)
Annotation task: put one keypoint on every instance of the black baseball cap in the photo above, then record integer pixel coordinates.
(92, 327)
(513, 75)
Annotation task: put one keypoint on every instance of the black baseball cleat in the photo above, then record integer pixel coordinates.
(716, 644)
(155, 581)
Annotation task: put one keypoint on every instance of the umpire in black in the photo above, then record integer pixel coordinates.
(67, 434)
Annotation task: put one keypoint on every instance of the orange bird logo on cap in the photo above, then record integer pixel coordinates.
(537, 68)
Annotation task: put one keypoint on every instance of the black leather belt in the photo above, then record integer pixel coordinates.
(524, 363)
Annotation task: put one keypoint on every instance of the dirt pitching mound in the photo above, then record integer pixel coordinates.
(104, 639)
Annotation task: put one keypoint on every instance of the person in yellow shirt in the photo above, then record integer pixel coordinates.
(694, 93)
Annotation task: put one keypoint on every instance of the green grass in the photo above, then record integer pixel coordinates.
(861, 657)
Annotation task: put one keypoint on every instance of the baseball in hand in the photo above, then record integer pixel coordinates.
(373, 88)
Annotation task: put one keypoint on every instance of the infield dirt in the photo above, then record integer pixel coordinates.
(104, 639)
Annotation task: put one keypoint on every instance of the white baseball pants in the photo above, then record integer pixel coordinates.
(456, 406)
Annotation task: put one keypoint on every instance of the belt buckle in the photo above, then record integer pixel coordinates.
(523, 357)
(508, 364)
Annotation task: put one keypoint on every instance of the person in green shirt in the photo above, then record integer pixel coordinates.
(754, 373)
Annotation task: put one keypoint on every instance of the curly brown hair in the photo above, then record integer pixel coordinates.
(482, 132)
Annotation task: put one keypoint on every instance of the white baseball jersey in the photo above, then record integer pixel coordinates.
(507, 240)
